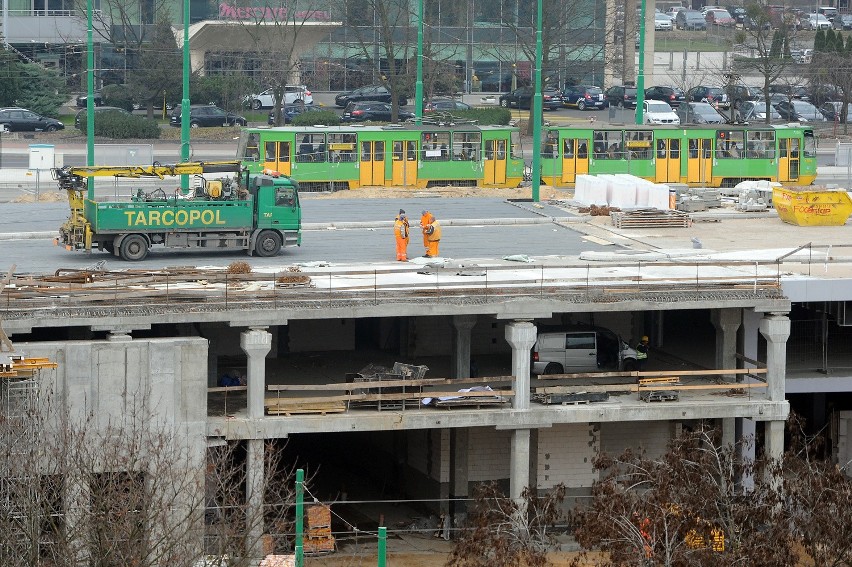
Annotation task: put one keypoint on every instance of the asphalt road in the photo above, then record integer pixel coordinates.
(331, 245)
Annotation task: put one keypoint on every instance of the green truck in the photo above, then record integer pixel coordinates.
(258, 213)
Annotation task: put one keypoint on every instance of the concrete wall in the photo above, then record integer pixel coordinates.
(488, 454)
(652, 436)
(565, 454)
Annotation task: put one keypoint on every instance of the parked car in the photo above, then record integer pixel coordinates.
(586, 350)
(843, 22)
(673, 12)
(671, 95)
(719, 18)
(23, 120)
(755, 111)
(291, 111)
(80, 117)
(658, 112)
(711, 95)
(620, 96)
(83, 98)
(737, 12)
(584, 97)
(662, 22)
(707, 7)
(522, 97)
(292, 93)
(739, 93)
(833, 112)
(750, 23)
(372, 111)
(699, 113)
(789, 91)
(445, 105)
(373, 92)
(203, 115)
(690, 20)
(829, 12)
(799, 111)
(816, 22)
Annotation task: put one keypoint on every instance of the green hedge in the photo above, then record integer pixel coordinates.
(118, 95)
(482, 116)
(325, 117)
(122, 126)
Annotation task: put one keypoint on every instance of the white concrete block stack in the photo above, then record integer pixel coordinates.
(620, 190)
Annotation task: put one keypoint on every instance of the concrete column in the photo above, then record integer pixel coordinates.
(256, 343)
(729, 431)
(776, 329)
(773, 433)
(727, 322)
(255, 483)
(521, 336)
(520, 463)
(459, 472)
(78, 498)
(462, 325)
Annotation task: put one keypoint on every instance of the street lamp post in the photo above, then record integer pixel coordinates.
(184, 103)
(536, 113)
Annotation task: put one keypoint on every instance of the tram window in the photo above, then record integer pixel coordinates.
(568, 148)
(516, 149)
(729, 144)
(312, 149)
(583, 150)
(674, 149)
(397, 151)
(489, 149)
(639, 144)
(609, 145)
(341, 147)
(760, 144)
(379, 151)
(466, 146)
(365, 151)
(693, 148)
(252, 148)
(661, 148)
(550, 148)
(435, 146)
(810, 144)
(501, 149)
(269, 151)
(794, 148)
(706, 148)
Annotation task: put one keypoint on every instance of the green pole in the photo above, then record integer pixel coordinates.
(300, 517)
(90, 99)
(640, 78)
(383, 547)
(536, 112)
(184, 103)
(418, 86)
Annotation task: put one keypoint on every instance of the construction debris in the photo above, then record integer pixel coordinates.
(651, 218)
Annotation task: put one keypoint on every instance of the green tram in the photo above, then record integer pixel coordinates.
(325, 158)
(695, 155)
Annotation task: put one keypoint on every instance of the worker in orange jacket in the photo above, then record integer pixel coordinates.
(401, 232)
(431, 234)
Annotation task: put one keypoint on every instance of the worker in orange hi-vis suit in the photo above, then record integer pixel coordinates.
(425, 217)
(401, 232)
(432, 233)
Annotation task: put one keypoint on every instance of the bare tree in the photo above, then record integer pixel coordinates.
(831, 68)
(504, 531)
(686, 508)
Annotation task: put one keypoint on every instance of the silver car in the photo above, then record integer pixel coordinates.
(292, 93)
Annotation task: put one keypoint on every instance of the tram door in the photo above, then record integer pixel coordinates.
(404, 163)
(372, 165)
(276, 156)
(575, 158)
(699, 160)
(667, 159)
(788, 159)
(495, 162)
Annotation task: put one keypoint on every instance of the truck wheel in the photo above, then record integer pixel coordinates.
(553, 368)
(134, 248)
(268, 244)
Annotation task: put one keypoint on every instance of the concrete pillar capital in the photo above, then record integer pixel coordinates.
(726, 319)
(521, 335)
(256, 342)
(775, 327)
(464, 322)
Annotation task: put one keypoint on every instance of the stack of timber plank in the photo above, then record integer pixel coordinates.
(650, 218)
(298, 406)
(319, 540)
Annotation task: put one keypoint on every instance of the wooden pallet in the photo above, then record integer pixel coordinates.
(650, 218)
(575, 398)
(282, 406)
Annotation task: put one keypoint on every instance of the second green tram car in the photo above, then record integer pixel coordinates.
(348, 157)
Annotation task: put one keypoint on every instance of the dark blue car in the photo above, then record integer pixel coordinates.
(291, 111)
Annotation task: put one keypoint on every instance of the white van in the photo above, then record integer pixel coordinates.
(566, 352)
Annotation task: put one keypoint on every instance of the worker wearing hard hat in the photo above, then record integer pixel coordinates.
(431, 234)
(401, 232)
(642, 353)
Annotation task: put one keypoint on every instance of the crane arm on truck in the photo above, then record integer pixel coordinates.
(74, 177)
